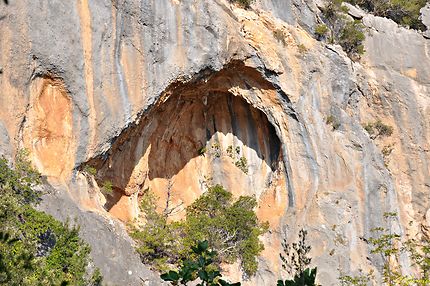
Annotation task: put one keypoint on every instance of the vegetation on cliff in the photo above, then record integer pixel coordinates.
(389, 246)
(230, 226)
(243, 3)
(341, 29)
(36, 249)
(349, 33)
(296, 262)
(403, 12)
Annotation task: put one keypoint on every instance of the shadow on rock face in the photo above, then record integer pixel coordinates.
(213, 126)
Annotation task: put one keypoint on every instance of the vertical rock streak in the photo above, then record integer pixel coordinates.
(119, 22)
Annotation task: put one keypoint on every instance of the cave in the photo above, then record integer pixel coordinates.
(196, 135)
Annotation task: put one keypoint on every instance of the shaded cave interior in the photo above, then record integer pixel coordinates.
(198, 134)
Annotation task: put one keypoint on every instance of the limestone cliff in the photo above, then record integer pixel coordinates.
(153, 94)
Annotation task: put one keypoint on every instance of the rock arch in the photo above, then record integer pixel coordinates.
(218, 128)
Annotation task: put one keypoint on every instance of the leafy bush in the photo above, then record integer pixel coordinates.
(349, 34)
(278, 34)
(321, 31)
(378, 128)
(35, 249)
(362, 279)
(351, 38)
(231, 228)
(230, 151)
(201, 268)
(302, 48)
(305, 278)
(333, 121)
(243, 3)
(216, 150)
(202, 151)
(403, 12)
(107, 188)
(90, 170)
(242, 164)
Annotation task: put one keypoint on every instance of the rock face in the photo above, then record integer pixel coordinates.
(172, 95)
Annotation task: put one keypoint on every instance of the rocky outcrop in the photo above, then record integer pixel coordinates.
(153, 94)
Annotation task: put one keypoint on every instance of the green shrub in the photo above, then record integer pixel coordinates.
(378, 128)
(279, 36)
(362, 279)
(229, 151)
(107, 188)
(321, 31)
(383, 129)
(242, 164)
(155, 239)
(243, 3)
(231, 228)
(403, 12)
(35, 249)
(302, 48)
(237, 149)
(388, 246)
(349, 34)
(216, 149)
(333, 121)
(351, 38)
(202, 150)
(90, 170)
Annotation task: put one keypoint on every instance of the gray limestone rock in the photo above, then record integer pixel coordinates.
(114, 63)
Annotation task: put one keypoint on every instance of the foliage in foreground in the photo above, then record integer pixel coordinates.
(230, 227)
(36, 249)
(202, 268)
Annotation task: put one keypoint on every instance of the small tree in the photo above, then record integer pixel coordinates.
(349, 34)
(388, 245)
(230, 226)
(295, 261)
(35, 249)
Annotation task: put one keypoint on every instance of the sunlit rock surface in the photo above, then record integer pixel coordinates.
(153, 94)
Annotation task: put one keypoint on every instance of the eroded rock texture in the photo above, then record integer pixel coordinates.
(153, 94)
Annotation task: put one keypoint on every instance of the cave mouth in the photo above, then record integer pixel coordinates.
(196, 136)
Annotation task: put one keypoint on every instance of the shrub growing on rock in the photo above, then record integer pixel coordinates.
(388, 245)
(378, 128)
(351, 38)
(243, 3)
(230, 226)
(321, 31)
(349, 34)
(36, 249)
(403, 12)
(295, 261)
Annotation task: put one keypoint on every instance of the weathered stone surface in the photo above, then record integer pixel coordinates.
(107, 237)
(125, 86)
(425, 17)
(5, 144)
